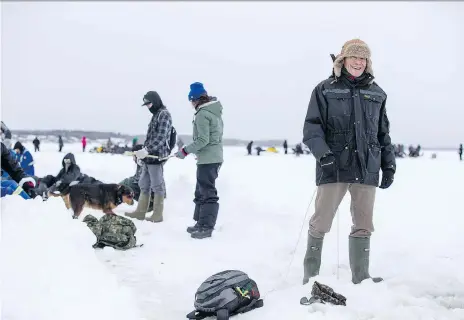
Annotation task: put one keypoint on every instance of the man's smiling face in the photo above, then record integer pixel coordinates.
(355, 66)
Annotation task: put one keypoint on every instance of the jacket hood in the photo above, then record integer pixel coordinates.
(156, 100)
(215, 107)
(69, 156)
(19, 145)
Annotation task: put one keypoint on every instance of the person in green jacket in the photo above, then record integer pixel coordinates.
(207, 146)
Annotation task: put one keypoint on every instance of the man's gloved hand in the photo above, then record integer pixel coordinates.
(181, 154)
(328, 164)
(141, 154)
(387, 178)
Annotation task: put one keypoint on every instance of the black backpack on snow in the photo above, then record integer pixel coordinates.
(225, 294)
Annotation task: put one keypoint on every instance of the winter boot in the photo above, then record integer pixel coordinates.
(359, 260)
(312, 259)
(193, 228)
(158, 207)
(202, 233)
(142, 207)
(196, 216)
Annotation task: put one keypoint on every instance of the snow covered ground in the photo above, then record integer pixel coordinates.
(50, 271)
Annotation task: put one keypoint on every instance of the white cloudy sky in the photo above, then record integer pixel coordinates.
(87, 65)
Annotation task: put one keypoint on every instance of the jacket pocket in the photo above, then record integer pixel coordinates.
(372, 103)
(338, 103)
(374, 157)
(343, 155)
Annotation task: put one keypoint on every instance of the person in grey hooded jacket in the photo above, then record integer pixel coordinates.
(207, 146)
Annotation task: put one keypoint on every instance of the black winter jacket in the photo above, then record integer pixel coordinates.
(11, 166)
(349, 119)
(72, 173)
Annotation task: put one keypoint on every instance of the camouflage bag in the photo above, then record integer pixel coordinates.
(322, 293)
(112, 230)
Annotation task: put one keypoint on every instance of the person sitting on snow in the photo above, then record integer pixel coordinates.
(133, 182)
(24, 158)
(70, 174)
(19, 179)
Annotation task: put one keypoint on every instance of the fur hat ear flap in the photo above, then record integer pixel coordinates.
(369, 67)
(338, 65)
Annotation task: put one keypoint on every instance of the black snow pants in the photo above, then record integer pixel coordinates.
(206, 199)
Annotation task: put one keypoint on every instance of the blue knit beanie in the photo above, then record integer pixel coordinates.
(196, 90)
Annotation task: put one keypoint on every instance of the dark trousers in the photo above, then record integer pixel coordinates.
(206, 199)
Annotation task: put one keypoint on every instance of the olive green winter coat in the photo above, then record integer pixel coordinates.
(207, 134)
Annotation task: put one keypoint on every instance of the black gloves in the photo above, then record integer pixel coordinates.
(28, 187)
(328, 164)
(387, 178)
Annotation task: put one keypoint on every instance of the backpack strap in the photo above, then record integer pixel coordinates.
(198, 315)
(254, 304)
(222, 314)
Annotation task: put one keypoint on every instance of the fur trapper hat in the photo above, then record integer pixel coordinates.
(353, 48)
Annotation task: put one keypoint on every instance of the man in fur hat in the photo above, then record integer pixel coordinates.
(347, 130)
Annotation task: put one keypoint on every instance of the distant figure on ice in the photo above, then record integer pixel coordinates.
(134, 141)
(109, 144)
(19, 179)
(152, 176)
(259, 150)
(460, 152)
(36, 143)
(349, 154)
(414, 152)
(285, 146)
(249, 146)
(60, 143)
(207, 146)
(84, 143)
(6, 135)
(24, 158)
(399, 151)
(298, 150)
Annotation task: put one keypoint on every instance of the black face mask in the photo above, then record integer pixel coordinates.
(153, 109)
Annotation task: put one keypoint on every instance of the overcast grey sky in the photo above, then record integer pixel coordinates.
(87, 65)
